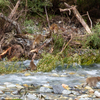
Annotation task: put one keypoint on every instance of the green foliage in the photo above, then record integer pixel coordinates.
(37, 6)
(9, 67)
(3, 4)
(30, 27)
(58, 41)
(93, 41)
(49, 62)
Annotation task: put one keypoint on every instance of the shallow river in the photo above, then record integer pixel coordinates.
(70, 76)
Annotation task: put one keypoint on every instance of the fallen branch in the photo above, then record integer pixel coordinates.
(47, 17)
(2, 40)
(39, 48)
(78, 16)
(5, 52)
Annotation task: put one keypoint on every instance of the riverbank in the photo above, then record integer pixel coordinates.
(48, 85)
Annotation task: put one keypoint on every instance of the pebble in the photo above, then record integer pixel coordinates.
(45, 89)
(11, 86)
(31, 96)
(27, 74)
(66, 92)
(1, 92)
(88, 87)
(55, 74)
(2, 87)
(97, 94)
(12, 91)
(91, 91)
(19, 86)
(25, 85)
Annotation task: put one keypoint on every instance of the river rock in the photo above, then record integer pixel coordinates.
(17, 92)
(2, 98)
(66, 92)
(74, 92)
(47, 85)
(70, 99)
(2, 87)
(31, 96)
(45, 89)
(25, 85)
(55, 74)
(57, 89)
(27, 74)
(7, 83)
(88, 87)
(91, 91)
(1, 92)
(19, 86)
(97, 94)
(84, 96)
(11, 86)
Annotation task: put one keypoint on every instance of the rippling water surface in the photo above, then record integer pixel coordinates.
(58, 76)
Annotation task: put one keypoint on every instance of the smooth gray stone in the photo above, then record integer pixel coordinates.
(58, 89)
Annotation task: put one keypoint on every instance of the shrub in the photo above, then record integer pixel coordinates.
(93, 41)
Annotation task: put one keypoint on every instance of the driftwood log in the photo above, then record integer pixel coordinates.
(78, 16)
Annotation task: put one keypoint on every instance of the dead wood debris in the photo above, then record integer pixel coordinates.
(77, 14)
(19, 45)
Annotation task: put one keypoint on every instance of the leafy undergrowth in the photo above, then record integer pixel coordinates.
(85, 52)
(50, 62)
(9, 67)
(88, 51)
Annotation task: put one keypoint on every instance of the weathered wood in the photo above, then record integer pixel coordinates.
(14, 10)
(7, 26)
(16, 25)
(78, 16)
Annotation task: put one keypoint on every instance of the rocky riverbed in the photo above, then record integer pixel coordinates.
(59, 84)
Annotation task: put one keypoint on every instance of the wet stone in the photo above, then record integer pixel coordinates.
(66, 92)
(2, 87)
(1, 92)
(57, 89)
(44, 89)
(31, 96)
(47, 86)
(17, 92)
(2, 98)
(97, 94)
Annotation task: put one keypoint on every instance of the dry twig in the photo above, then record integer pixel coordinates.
(66, 44)
(89, 19)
